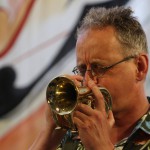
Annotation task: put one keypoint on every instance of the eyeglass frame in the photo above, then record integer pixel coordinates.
(105, 69)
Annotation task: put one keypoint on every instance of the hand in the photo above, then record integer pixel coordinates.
(77, 79)
(48, 138)
(49, 121)
(94, 125)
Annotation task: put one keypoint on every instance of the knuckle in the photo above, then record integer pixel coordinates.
(98, 115)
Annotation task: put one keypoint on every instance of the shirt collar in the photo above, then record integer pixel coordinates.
(144, 122)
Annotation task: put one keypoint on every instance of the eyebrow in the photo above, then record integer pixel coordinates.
(100, 63)
(96, 61)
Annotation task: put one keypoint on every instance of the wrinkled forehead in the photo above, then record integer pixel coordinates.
(97, 44)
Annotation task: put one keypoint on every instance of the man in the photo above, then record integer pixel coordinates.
(111, 52)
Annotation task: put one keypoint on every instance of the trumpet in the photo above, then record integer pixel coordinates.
(63, 96)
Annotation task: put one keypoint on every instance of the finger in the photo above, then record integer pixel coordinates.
(48, 111)
(85, 109)
(80, 119)
(49, 120)
(78, 122)
(110, 118)
(99, 101)
(77, 79)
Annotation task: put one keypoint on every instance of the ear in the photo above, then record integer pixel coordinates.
(142, 66)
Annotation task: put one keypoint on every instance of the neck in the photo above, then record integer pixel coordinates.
(127, 120)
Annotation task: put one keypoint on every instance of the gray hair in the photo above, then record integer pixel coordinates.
(129, 31)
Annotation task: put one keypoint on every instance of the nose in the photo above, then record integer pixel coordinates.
(89, 72)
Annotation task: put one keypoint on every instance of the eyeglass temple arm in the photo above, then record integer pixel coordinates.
(125, 59)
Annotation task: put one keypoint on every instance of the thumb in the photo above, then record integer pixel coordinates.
(111, 119)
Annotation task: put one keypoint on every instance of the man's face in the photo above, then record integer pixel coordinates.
(101, 47)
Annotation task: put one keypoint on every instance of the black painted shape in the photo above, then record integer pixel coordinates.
(10, 96)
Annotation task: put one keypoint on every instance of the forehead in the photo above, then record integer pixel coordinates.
(98, 44)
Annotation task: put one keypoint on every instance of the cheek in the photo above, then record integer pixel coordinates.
(118, 85)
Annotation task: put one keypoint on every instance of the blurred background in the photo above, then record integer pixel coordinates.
(37, 42)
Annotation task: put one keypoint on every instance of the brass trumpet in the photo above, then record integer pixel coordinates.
(63, 96)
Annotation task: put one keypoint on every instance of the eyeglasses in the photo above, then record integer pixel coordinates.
(96, 69)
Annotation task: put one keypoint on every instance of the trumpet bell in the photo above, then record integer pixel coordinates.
(62, 95)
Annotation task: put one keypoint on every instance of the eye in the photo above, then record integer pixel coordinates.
(94, 66)
(97, 69)
(82, 69)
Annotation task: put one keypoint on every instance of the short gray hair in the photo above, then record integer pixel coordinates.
(129, 31)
